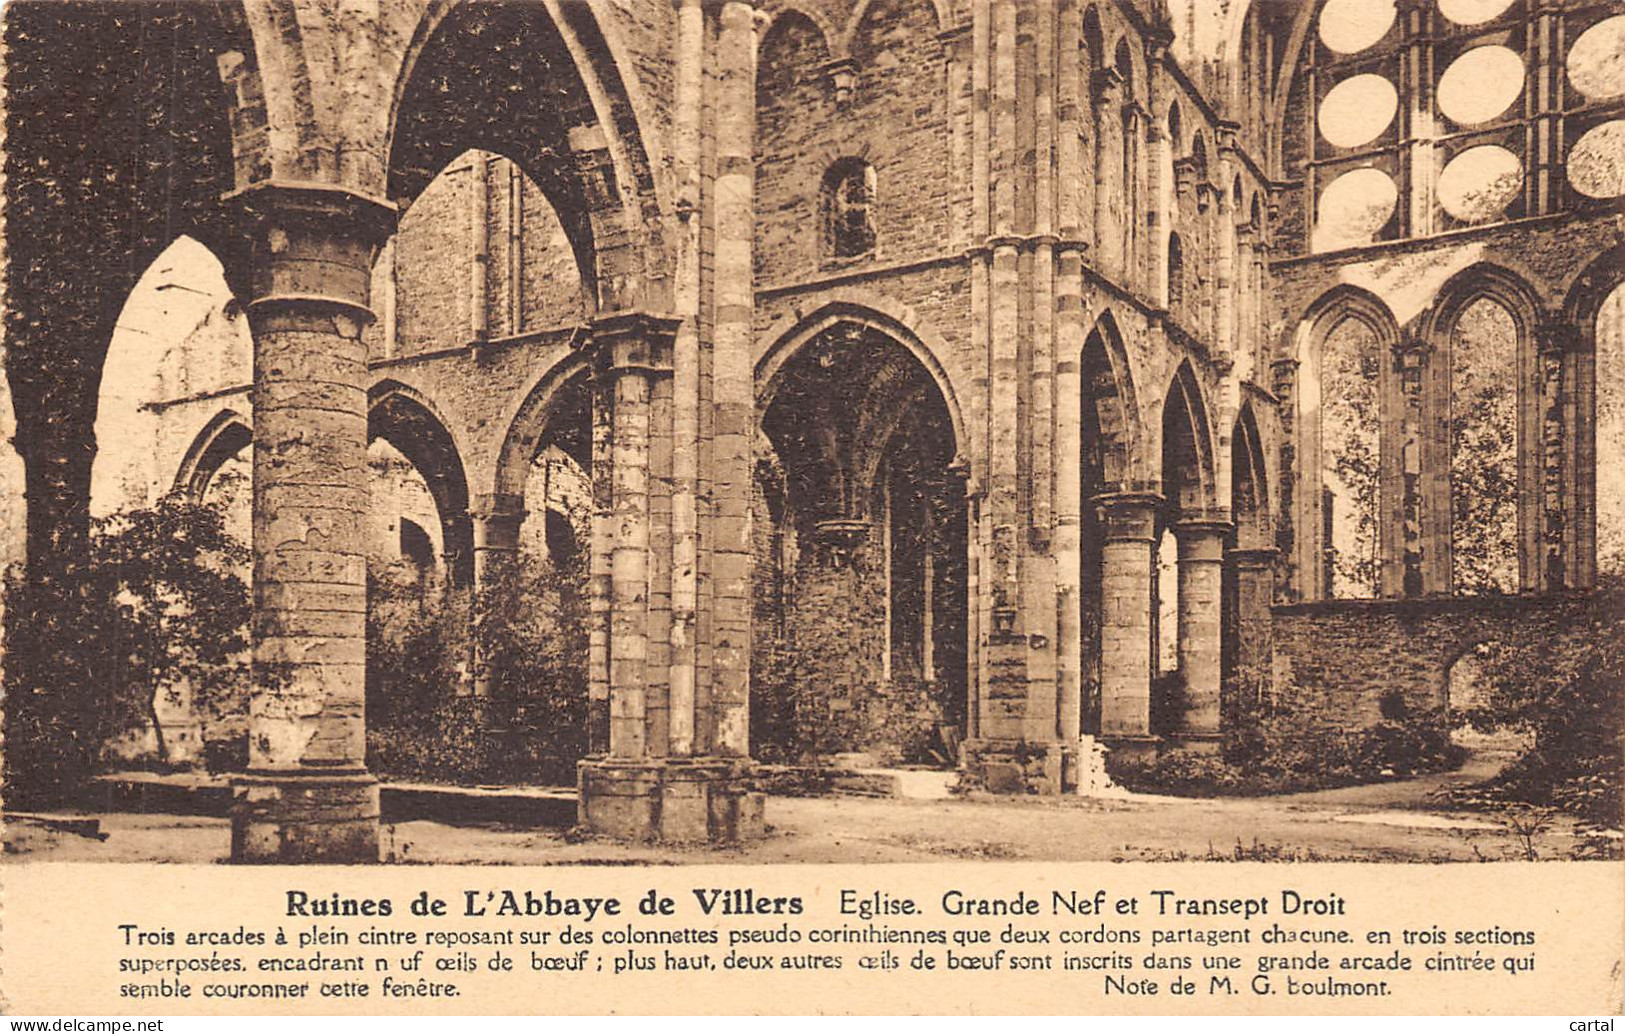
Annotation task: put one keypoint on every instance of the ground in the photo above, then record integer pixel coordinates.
(1401, 821)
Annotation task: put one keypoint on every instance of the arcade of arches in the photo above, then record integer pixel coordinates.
(942, 381)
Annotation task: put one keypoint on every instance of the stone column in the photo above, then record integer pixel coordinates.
(1254, 579)
(1417, 121)
(1129, 522)
(1246, 308)
(1224, 260)
(1109, 186)
(635, 785)
(306, 795)
(629, 351)
(495, 521)
(1201, 583)
(479, 250)
(733, 392)
(1071, 333)
(1554, 535)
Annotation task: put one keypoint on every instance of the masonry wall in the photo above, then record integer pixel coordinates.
(532, 282)
(1341, 658)
(889, 109)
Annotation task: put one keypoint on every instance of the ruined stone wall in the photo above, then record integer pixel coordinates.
(1340, 658)
(1546, 254)
(888, 107)
(531, 281)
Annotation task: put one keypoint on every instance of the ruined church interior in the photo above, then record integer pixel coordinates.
(970, 386)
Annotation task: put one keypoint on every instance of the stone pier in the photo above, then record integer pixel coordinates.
(306, 795)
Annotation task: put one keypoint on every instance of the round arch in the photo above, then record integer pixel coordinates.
(854, 21)
(778, 12)
(546, 80)
(408, 421)
(529, 422)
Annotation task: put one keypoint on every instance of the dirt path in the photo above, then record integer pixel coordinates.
(1395, 821)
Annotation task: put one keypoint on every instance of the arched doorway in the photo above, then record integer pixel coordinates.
(864, 554)
(412, 452)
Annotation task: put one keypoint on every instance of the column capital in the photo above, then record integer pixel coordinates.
(496, 505)
(838, 541)
(841, 73)
(1108, 80)
(1411, 351)
(1129, 516)
(308, 246)
(1201, 540)
(1206, 194)
(1184, 173)
(633, 340)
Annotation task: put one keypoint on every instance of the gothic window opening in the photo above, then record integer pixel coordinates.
(1350, 371)
(873, 583)
(849, 209)
(1484, 450)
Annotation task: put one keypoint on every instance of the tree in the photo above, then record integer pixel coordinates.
(168, 594)
(1569, 691)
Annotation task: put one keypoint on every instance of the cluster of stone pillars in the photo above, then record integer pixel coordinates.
(1131, 526)
(670, 577)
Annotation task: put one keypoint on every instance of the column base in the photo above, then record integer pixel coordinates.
(1133, 745)
(676, 800)
(1201, 742)
(304, 818)
(1017, 767)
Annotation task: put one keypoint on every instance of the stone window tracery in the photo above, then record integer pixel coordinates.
(1436, 115)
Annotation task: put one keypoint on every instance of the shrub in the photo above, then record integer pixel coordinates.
(160, 611)
(1569, 692)
(1272, 749)
(524, 633)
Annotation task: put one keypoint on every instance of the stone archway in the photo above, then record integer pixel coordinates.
(405, 420)
(863, 493)
(1185, 694)
(1249, 571)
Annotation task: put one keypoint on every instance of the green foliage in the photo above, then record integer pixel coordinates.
(1352, 372)
(167, 583)
(1569, 691)
(524, 633)
(1484, 451)
(160, 611)
(1277, 749)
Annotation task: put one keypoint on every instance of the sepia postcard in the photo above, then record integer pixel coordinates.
(813, 506)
